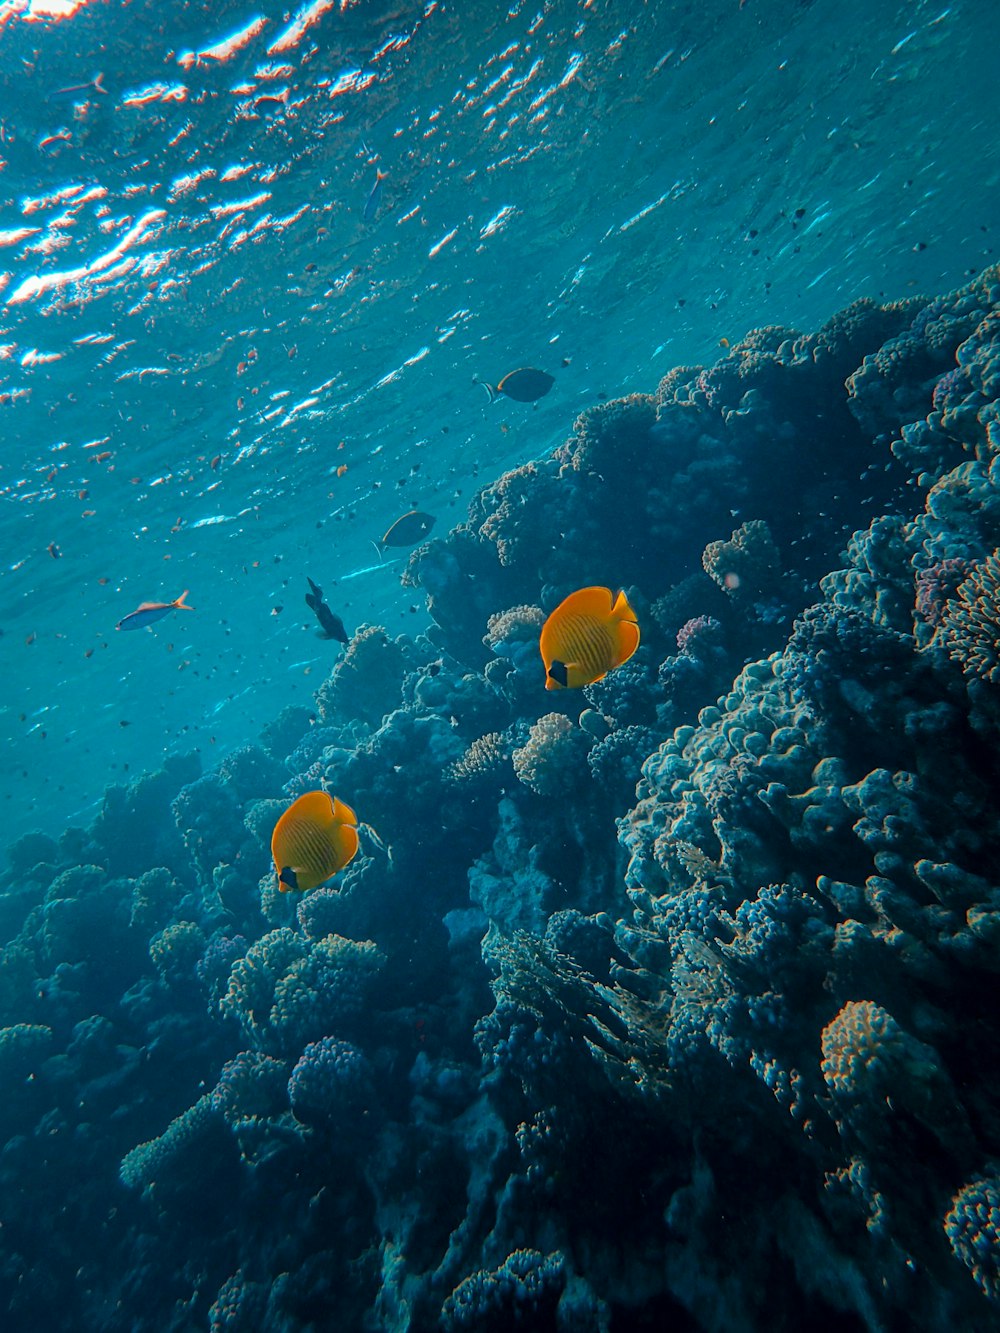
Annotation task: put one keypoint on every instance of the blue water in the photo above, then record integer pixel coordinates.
(667, 1002)
(188, 276)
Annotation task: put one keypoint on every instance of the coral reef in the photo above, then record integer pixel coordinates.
(670, 1007)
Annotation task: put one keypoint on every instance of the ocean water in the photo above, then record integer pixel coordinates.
(554, 1052)
(188, 276)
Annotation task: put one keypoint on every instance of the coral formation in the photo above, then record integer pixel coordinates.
(673, 1006)
(970, 622)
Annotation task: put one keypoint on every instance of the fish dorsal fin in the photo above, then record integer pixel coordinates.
(622, 608)
(594, 601)
(149, 606)
(318, 805)
(343, 814)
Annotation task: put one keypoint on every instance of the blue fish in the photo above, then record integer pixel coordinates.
(375, 198)
(148, 612)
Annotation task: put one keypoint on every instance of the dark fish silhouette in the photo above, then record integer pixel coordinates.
(524, 385)
(407, 531)
(331, 625)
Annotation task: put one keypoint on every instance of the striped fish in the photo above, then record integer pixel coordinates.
(315, 837)
(586, 636)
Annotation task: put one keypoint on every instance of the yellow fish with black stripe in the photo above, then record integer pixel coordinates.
(315, 837)
(588, 634)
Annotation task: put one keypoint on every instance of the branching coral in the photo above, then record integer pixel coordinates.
(522, 1293)
(367, 680)
(970, 625)
(748, 565)
(550, 760)
(331, 1087)
(972, 1226)
(176, 951)
(150, 1162)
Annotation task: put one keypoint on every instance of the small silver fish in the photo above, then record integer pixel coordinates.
(148, 612)
(375, 198)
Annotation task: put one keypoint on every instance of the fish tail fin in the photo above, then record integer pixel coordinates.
(491, 393)
(181, 604)
(380, 549)
(380, 175)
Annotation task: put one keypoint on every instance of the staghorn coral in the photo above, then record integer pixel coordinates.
(970, 625)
